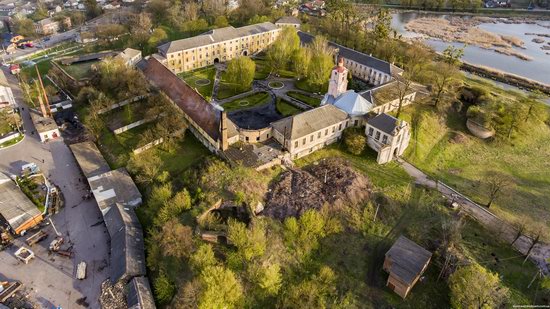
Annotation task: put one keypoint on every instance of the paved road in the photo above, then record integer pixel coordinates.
(539, 254)
(51, 278)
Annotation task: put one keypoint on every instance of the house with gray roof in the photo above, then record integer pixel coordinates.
(311, 130)
(388, 136)
(405, 262)
(17, 212)
(288, 21)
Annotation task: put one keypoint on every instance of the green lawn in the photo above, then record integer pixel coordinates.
(79, 70)
(262, 69)
(258, 98)
(286, 109)
(187, 153)
(131, 138)
(311, 101)
(12, 142)
(125, 115)
(208, 73)
(464, 164)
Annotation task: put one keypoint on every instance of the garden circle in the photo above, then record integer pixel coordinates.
(243, 103)
(276, 85)
(202, 82)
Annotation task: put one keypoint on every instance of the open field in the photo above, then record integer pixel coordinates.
(201, 75)
(258, 98)
(465, 163)
(80, 70)
(311, 101)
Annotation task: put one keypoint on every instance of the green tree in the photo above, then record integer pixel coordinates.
(250, 242)
(452, 55)
(176, 239)
(300, 62)
(158, 36)
(24, 26)
(203, 258)
(221, 21)
(221, 289)
(382, 25)
(164, 288)
(240, 72)
(355, 140)
(319, 291)
(321, 62)
(92, 8)
(445, 82)
(283, 48)
(474, 286)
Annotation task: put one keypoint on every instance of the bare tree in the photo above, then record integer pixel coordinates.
(496, 184)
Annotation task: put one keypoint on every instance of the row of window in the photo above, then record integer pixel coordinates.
(320, 133)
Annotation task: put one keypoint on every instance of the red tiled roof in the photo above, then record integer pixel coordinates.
(190, 102)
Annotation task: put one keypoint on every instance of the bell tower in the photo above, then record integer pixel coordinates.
(338, 82)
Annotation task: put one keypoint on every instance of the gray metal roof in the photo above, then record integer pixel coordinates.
(353, 103)
(127, 244)
(114, 187)
(215, 36)
(384, 122)
(139, 294)
(90, 159)
(42, 124)
(351, 54)
(15, 206)
(310, 121)
(407, 259)
(288, 20)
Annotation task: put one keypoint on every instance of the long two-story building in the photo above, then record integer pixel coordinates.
(217, 45)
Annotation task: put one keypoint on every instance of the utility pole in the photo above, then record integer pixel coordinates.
(43, 91)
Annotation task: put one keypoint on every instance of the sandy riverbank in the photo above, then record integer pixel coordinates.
(465, 30)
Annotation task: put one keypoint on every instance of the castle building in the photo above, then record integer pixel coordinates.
(217, 45)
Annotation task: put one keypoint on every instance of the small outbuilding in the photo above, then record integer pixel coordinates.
(405, 262)
(288, 21)
(16, 210)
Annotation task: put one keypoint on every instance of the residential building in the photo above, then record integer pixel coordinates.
(311, 130)
(405, 262)
(49, 26)
(388, 136)
(130, 56)
(288, 21)
(6, 95)
(217, 45)
(17, 212)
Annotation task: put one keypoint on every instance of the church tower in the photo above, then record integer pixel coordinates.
(338, 82)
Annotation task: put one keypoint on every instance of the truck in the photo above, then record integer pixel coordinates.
(36, 238)
(29, 169)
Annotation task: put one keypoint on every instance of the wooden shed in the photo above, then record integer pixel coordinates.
(405, 262)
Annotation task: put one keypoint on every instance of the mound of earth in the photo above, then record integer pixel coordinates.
(333, 182)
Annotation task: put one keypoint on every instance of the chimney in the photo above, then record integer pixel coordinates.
(223, 131)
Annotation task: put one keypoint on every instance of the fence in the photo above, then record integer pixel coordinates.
(131, 126)
(148, 146)
(9, 137)
(123, 103)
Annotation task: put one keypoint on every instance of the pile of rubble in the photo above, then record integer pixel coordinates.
(112, 296)
(332, 181)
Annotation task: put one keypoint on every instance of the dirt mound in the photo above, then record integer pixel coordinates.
(301, 189)
(458, 138)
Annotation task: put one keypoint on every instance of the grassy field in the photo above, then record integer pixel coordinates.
(311, 101)
(258, 98)
(464, 163)
(208, 73)
(286, 109)
(80, 70)
(125, 115)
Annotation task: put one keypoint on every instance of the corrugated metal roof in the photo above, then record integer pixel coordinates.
(114, 187)
(127, 243)
(139, 294)
(407, 259)
(90, 159)
(310, 121)
(15, 206)
(215, 36)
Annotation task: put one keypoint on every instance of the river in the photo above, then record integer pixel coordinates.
(538, 69)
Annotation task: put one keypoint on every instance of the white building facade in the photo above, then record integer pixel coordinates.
(388, 136)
